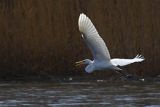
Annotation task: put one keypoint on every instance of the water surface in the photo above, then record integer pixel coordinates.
(88, 94)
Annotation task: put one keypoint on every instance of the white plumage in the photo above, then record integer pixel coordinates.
(92, 39)
(99, 49)
(123, 62)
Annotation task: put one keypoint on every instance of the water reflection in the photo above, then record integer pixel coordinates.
(121, 94)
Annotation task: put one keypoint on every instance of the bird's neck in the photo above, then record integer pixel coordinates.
(89, 62)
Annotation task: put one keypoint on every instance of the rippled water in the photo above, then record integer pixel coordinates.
(90, 94)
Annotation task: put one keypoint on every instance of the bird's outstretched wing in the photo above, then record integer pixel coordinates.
(93, 40)
(123, 62)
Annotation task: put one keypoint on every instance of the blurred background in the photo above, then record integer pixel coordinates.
(40, 38)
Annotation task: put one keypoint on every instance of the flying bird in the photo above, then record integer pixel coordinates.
(101, 57)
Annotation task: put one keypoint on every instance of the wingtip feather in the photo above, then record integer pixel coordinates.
(139, 58)
(81, 22)
(85, 25)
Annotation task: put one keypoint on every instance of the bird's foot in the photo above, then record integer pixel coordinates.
(130, 77)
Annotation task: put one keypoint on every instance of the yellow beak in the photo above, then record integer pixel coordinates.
(79, 63)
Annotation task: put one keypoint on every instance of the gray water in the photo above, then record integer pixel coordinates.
(81, 94)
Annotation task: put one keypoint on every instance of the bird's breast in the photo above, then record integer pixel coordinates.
(101, 65)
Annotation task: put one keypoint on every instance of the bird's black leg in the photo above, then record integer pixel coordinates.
(122, 73)
(127, 76)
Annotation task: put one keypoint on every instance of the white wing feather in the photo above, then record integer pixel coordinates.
(123, 62)
(93, 40)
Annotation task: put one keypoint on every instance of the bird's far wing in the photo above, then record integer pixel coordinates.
(123, 62)
(93, 40)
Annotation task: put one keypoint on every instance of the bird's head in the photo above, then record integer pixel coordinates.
(83, 62)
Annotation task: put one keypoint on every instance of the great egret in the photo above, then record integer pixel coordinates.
(99, 49)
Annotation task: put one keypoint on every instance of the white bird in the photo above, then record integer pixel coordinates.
(99, 49)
